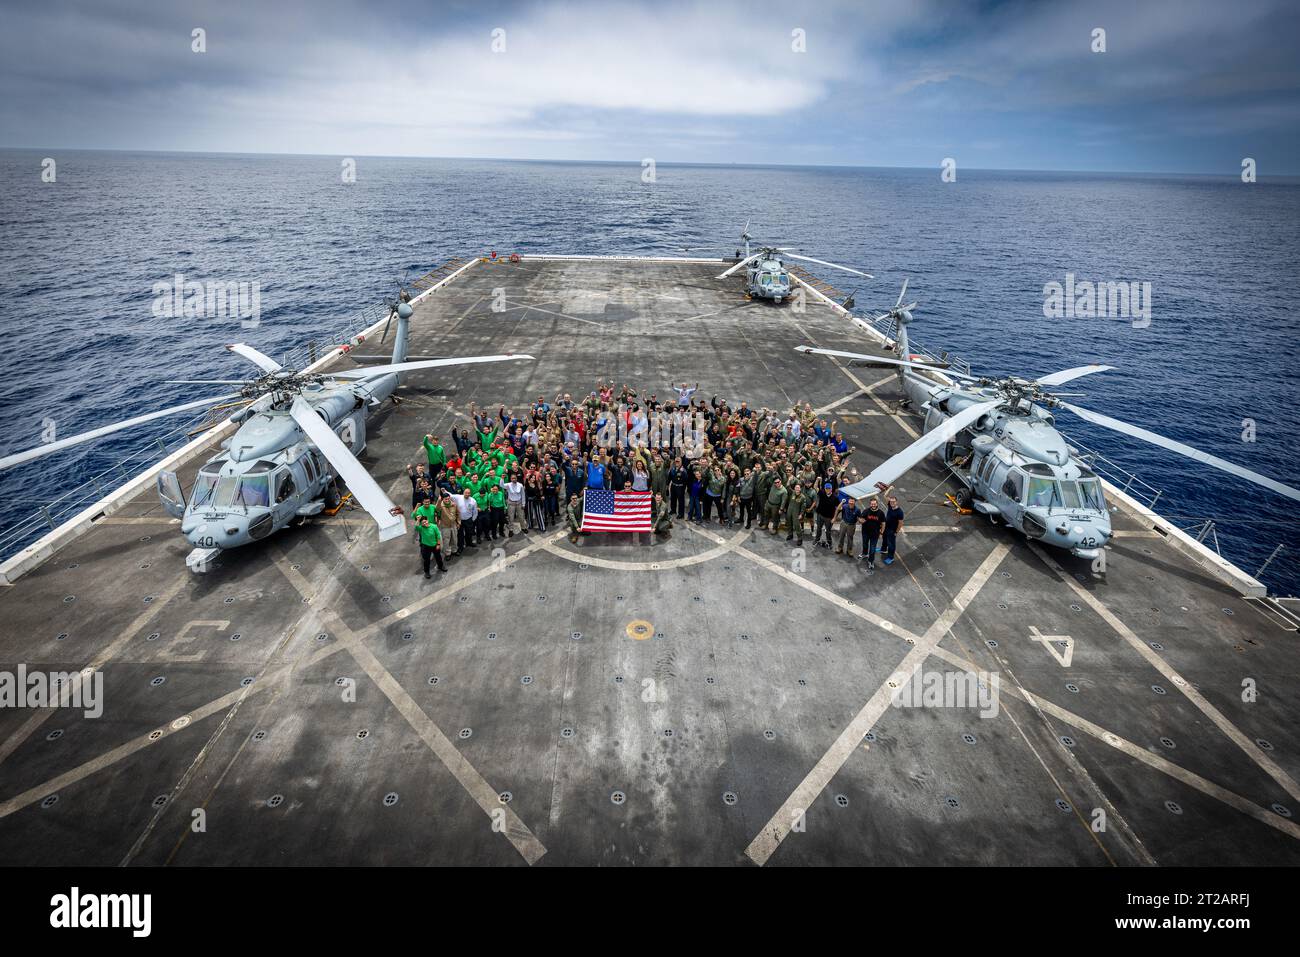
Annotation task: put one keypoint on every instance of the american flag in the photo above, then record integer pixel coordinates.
(604, 511)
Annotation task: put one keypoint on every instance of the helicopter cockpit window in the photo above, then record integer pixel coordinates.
(1043, 493)
(785, 280)
(201, 494)
(246, 490)
(1091, 494)
(766, 279)
(1070, 494)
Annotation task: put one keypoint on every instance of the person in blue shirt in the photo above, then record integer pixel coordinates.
(575, 477)
(596, 473)
(848, 516)
(695, 488)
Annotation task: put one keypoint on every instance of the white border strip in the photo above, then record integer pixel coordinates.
(43, 548)
(1223, 569)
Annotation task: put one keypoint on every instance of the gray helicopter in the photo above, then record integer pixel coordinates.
(299, 434)
(765, 272)
(999, 438)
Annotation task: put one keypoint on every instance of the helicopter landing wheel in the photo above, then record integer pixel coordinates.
(332, 497)
(966, 499)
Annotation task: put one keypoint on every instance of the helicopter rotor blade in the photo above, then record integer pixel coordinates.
(392, 311)
(208, 381)
(890, 470)
(424, 364)
(20, 457)
(823, 262)
(882, 360)
(901, 293)
(1068, 375)
(728, 272)
(259, 359)
(1136, 432)
(389, 518)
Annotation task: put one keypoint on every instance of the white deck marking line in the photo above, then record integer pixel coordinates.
(724, 546)
(207, 747)
(1252, 751)
(845, 604)
(1085, 781)
(1167, 767)
(867, 389)
(549, 312)
(703, 315)
(892, 413)
(1177, 772)
(31, 795)
(524, 841)
(281, 674)
(839, 402)
(769, 839)
(40, 715)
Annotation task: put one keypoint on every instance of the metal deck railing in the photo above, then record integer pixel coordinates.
(1118, 476)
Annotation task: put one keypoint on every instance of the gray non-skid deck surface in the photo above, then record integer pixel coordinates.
(761, 689)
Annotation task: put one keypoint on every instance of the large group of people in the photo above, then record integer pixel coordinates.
(704, 461)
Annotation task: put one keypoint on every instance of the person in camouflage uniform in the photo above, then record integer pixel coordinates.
(661, 517)
(797, 511)
(775, 505)
(573, 515)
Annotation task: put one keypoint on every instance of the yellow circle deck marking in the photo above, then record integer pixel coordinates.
(640, 630)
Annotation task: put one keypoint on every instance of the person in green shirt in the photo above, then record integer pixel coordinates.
(437, 457)
(480, 497)
(496, 498)
(426, 526)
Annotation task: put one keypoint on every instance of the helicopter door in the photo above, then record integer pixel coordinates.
(286, 495)
(1013, 490)
(170, 494)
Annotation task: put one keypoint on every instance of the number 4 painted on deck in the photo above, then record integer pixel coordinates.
(1049, 642)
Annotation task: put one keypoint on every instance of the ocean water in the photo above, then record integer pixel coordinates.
(80, 257)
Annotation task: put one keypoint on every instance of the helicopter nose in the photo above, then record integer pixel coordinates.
(216, 535)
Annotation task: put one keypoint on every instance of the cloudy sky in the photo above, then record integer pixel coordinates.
(1183, 85)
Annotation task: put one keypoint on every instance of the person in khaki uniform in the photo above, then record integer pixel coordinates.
(798, 510)
(573, 515)
(774, 507)
(661, 517)
(448, 519)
